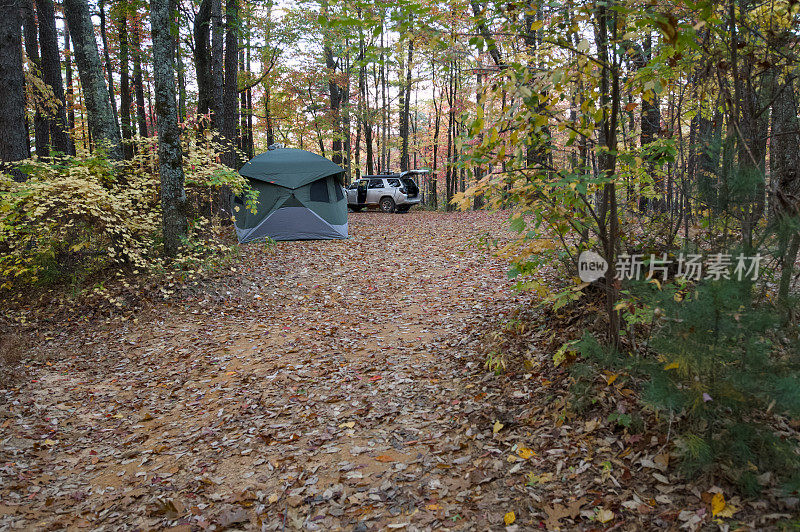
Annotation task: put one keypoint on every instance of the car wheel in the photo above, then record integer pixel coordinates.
(387, 204)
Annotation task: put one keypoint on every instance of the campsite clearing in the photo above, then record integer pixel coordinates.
(335, 385)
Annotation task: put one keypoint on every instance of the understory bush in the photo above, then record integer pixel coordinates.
(73, 217)
(719, 367)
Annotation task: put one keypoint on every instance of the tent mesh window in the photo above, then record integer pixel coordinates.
(319, 190)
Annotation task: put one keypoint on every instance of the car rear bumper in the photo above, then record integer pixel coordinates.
(409, 201)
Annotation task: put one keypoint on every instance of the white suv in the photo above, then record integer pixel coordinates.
(389, 192)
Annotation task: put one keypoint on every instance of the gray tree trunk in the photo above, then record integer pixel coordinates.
(608, 223)
(98, 103)
(173, 195)
(70, 95)
(217, 58)
(13, 139)
(124, 84)
(181, 79)
(785, 175)
(268, 116)
(364, 114)
(51, 73)
(138, 81)
(41, 130)
(335, 92)
(406, 102)
(229, 119)
(230, 94)
(202, 58)
(107, 57)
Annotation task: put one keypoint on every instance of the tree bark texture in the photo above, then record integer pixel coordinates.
(51, 74)
(173, 195)
(98, 103)
(41, 130)
(13, 137)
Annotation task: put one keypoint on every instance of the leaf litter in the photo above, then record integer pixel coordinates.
(333, 385)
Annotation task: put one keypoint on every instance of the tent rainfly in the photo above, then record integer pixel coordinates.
(299, 197)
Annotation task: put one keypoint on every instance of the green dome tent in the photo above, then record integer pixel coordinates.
(299, 197)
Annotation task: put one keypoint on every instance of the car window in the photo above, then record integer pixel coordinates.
(376, 183)
(394, 182)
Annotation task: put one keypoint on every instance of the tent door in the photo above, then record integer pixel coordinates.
(362, 191)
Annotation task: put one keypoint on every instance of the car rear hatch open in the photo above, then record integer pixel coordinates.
(412, 190)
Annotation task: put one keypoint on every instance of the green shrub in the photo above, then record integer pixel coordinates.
(72, 215)
(75, 216)
(720, 366)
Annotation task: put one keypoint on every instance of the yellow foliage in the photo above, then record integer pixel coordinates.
(78, 215)
(777, 16)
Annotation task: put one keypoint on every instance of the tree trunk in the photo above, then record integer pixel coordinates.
(40, 124)
(377, 131)
(86, 135)
(384, 166)
(98, 103)
(477, 202)
(230, 120)
(437, 120)
(345, 116)
(250, 142)
(181, 79)
(173, 195)
(70, 95)
(138, 82)
(268, 116)
(415, 126)
(51, 74)
(335, 92)
(13, 138)
(249, 105)
(150, 111)
(357, 150)
(107, 57)
(785, 174)
(217, 58)
(404, 129)
(750, 127)
(451, 177)
(607, 136)
(124, 83)
(242, 139)
(202, 59)
(244, 62)
(364, 102)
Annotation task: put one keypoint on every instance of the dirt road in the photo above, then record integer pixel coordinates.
(323, 385)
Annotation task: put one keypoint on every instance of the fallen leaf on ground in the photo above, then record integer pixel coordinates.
(604, 515)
